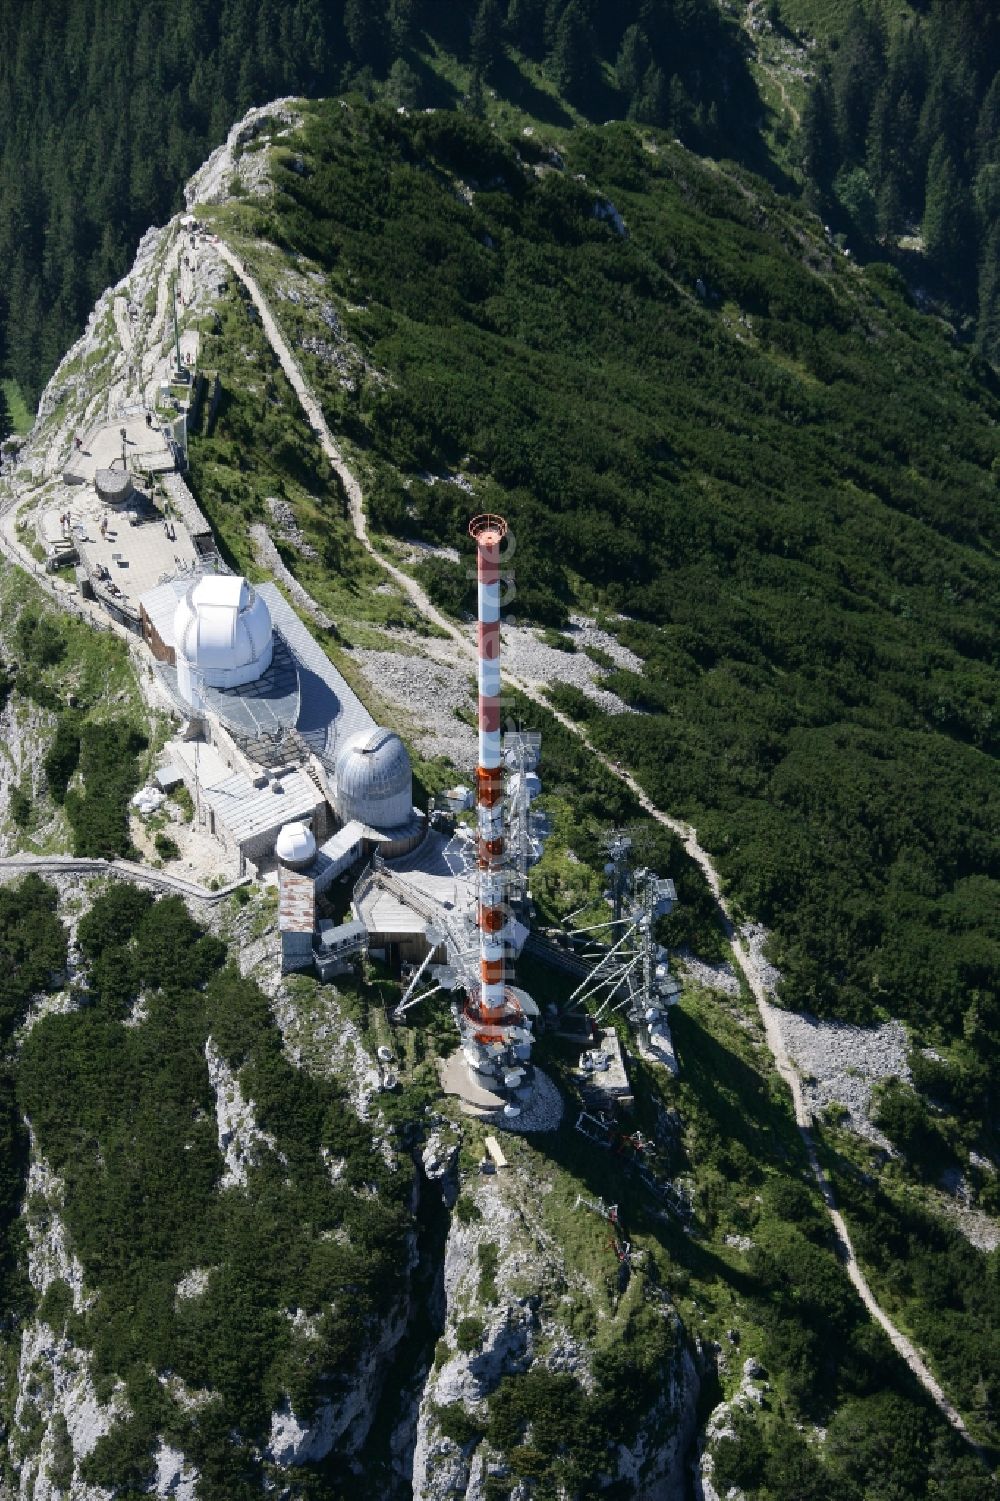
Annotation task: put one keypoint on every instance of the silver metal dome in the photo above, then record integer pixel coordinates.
(373, 781)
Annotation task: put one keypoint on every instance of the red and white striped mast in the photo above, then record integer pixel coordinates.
(488, 533)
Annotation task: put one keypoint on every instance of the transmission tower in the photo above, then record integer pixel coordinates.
(630, 971)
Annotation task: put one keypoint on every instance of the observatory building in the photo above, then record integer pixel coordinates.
(373, 781)
(222, 636)
(274, 736)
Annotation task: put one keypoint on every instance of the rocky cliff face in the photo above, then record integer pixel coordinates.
(522, 1323)
(750, 1393)
(58, 1417)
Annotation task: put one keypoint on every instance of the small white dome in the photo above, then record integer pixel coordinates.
(373, 782)
(295, 845)
(222, 635)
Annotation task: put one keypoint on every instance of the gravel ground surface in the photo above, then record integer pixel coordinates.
(427, 681)
(286, 527)
(430, 691)
(541, 1110)
(755, 936)
(979, 1229)
(417, 552)
(708, 976)
(586, 632)
(841, 1063)
(527, 655)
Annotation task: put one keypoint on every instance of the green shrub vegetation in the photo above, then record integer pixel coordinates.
(92, 721)
(33, 950)
(550, 1430)
(457, 1424)
(469, 1334)
(944, 1290)
(98, 813)
(143, 1201)
(166, 847)
(182, 797)
(487, 1254)
(825, 1362)
(779, 470)
(467, 1210)
(262, 447)
(62, 756)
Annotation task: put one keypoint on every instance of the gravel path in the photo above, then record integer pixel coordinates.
(19, 865)
(751, 964)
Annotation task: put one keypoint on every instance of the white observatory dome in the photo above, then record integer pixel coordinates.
(222, 635)
(373, 782)
(296, 845)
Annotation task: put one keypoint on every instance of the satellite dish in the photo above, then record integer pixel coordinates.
(445, 976)
(434, 936)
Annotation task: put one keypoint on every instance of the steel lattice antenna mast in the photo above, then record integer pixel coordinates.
(619, 847)
(521, 751)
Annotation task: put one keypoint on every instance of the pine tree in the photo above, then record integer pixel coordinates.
(552, 15)
(403, 85)
(402, 17)
(854, 193)
(986, 196)
(651, 103)
(817, 142)
(525, 26)
(571, 63)
(486, 44)
(904, 132)
(474, 102)
(948, 114)
(634, 57)
(988, 126)
(858, 69)
(879, 153)
(679, 110)
(365, 26)
(948, 227)
(988, 322)
(889, 218)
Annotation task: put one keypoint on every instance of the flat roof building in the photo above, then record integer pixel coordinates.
(296, 920)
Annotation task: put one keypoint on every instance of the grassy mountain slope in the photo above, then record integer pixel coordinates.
(778, 471)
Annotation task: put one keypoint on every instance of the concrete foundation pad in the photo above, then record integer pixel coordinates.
(540, 1102)
(456, 1079)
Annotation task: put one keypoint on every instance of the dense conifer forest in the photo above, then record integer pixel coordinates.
(106, 109)
(900, 142)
